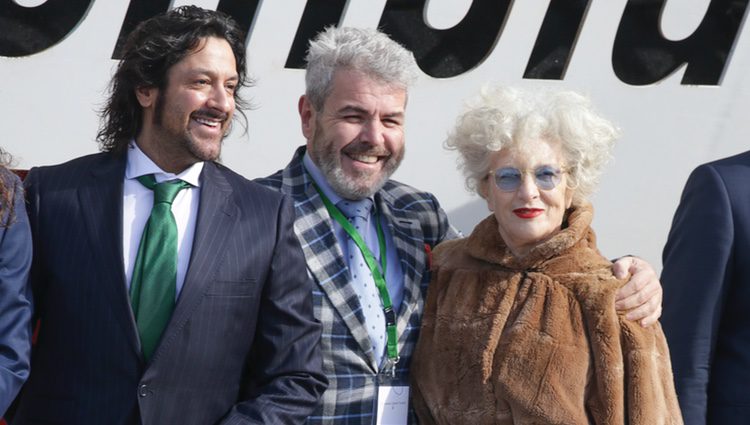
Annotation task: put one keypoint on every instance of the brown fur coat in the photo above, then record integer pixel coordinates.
(535, 340)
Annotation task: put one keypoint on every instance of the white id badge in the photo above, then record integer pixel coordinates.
(393, 405)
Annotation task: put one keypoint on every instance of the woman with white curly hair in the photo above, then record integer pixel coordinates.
(519, 323)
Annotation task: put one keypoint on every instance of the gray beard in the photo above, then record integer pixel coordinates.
(347, 188)
(326, 159)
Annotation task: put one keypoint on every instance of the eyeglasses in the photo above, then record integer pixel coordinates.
(546, 177)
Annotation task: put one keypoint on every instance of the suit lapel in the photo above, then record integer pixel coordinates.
(100, 199)
(325, 259)
(217, 216)
(407, 235)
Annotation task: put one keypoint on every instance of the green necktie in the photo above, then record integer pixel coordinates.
(152, 289)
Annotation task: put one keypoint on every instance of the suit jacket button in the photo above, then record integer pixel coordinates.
(143, 390)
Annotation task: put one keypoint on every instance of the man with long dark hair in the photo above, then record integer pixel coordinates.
(170, 289)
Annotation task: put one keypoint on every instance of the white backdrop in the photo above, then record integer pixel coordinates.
(49, 103)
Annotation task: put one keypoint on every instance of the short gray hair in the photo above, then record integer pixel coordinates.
(501, 117)
(368, 51)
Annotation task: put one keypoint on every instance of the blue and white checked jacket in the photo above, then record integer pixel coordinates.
(415, 220)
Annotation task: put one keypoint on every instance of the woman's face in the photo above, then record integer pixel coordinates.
(528, 214)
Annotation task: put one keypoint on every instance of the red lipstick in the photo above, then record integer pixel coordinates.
(528, 212)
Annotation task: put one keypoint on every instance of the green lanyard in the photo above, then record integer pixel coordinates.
(377, 274)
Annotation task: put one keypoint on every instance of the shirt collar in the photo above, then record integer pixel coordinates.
(138, 164)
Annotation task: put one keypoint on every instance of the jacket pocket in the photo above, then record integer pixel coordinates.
(232, 288)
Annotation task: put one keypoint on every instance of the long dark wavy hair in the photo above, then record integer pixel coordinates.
(149, 52)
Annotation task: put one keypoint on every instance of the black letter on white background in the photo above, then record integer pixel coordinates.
(317, 15)
(443, 53)
(25, 31)
(556, 40)
(642, 55)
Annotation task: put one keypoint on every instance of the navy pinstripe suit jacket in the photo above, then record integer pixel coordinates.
(415, 219)
(241, 346)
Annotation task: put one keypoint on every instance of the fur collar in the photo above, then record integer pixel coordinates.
(485, 242)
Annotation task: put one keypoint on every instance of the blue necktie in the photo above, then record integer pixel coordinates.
(358, 213)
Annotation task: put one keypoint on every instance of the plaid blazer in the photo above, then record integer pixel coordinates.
(417, 223)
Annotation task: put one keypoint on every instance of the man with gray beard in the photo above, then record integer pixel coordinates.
(371, 268)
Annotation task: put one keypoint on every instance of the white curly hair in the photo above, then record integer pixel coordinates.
(505, 117)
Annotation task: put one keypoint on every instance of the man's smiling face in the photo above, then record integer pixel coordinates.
(357, 140)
